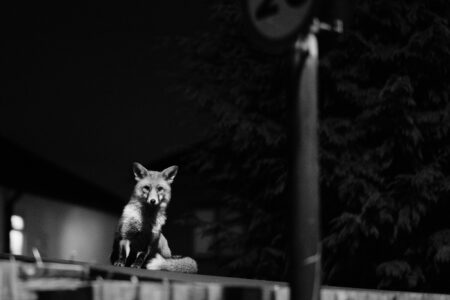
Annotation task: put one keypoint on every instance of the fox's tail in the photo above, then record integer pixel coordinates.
(173, 264)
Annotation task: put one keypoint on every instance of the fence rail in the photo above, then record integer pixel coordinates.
(21, 278)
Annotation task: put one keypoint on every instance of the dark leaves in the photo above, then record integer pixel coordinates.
(384, 134)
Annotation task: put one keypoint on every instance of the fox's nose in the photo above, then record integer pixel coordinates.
(152, 198)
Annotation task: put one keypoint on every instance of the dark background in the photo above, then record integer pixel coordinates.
(92, 87)
(89, 85)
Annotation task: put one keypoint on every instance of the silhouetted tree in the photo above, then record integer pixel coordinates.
(244, 89)
(385, 151)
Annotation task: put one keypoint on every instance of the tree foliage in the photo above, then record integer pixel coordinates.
(385, 154)
(244, 90)
(385, 145)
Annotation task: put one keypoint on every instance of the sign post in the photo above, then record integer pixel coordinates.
(304, 172)
(278, 25)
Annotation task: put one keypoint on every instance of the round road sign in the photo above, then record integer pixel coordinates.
(277, 23)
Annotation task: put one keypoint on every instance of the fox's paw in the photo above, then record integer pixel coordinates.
(156, 263)
(119, 264)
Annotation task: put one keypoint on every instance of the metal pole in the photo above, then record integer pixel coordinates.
(305, 272)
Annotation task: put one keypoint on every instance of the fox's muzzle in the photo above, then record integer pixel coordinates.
(153, 198)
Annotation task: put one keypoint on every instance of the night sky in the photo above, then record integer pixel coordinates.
(90, 88)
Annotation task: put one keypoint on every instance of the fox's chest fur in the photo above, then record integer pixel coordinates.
(138, 221)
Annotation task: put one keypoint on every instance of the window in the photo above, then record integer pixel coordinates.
(16, 235)
(203, 242)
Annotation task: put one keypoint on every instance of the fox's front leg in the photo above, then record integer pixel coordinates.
(124, 252)
(141, 257)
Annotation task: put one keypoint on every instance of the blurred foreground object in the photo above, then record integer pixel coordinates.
(24, 280)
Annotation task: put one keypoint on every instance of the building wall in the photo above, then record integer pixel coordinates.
(66, 231)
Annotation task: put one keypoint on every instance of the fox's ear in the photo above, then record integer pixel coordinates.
(139, 171)
(170, 173)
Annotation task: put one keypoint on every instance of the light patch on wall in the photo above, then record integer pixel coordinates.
(62, 230)
(86, 235)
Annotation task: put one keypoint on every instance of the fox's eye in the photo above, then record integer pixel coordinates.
(160, 188)
(145, 189)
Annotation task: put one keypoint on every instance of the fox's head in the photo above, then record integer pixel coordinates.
(153, 187)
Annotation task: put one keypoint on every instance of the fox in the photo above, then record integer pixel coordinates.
(138, 241)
